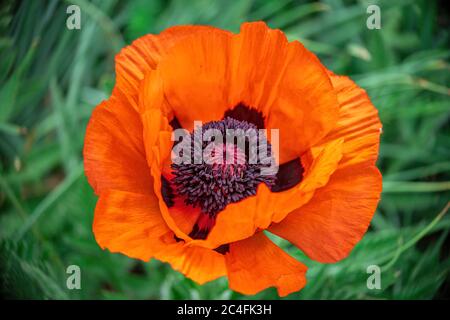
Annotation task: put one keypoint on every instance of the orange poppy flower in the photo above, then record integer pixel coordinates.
(208, 221)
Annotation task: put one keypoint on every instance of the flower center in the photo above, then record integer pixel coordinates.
(233, 155)
(223, 166)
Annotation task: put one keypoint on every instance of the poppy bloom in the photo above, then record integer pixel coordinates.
(208, 220)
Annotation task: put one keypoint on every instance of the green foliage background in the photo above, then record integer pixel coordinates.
(51, 78)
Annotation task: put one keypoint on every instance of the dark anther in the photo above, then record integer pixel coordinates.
(198, 233)
(177, 239)
(167, 192)
(289, 174)
(175, 124)
(223, 249)
(205, 222)
(243, 113)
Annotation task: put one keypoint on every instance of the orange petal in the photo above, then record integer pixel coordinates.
(195, 76)
(132, 62)
(240, 220)
(199, 264)
(157, 140)
(156, 134)
(184, 215)
(114, 156)
(143, 55)
(287, 83)
(260, 210)
(329, 226)
(256, 263)
(131, 224)
(338, 215)
(358, 123)
(324, 161)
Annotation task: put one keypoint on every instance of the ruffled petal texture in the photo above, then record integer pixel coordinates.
(210, 71)
(114, 153)
(287, 83)
(256, 263)
(195, 77)
(132, 224)
(336, 218)
(143, 55)
(199, 73)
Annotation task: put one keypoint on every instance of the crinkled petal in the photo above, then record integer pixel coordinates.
(114, 153)
(132, 224)
(256, 263)
(287, 83)
(329, 226)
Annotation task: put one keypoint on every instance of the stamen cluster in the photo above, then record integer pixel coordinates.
(218, 181)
